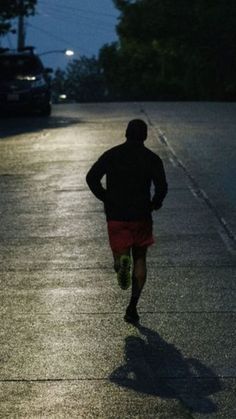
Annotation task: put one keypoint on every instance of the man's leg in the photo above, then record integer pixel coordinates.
(138, 281)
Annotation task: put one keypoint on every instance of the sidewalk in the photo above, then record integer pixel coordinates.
(65, 350)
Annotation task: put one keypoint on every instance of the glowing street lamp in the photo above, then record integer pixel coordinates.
(67, 52)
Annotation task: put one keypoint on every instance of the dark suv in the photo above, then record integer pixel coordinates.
(24, 82)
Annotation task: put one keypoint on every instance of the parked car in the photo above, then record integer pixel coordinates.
(24, 82)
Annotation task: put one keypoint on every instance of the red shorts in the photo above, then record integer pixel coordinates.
(126, 234)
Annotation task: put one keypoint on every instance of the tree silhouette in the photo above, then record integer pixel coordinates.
(173, 49)
(11, 9)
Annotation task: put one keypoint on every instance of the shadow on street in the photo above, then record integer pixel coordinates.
(155, 367)
(20, 124)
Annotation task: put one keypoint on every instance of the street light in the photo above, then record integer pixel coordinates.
(68, 52)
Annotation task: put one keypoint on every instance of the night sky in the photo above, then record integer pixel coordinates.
(81, 25)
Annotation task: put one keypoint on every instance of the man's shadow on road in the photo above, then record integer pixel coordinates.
(153, 366)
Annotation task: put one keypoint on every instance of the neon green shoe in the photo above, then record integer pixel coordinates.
(123, 274)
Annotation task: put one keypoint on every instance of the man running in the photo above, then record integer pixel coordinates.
(131, 169)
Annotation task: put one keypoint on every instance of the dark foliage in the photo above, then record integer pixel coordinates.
(172, 49)
(82, 81)
(10, 9)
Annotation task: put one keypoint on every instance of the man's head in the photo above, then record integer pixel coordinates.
(136, 130)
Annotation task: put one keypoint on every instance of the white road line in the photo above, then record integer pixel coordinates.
(224, 230)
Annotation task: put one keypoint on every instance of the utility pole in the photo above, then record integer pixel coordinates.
(21, 26)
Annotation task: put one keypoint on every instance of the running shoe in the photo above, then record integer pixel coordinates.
(131, 315)
(123, 274)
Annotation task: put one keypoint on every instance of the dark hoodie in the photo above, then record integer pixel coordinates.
(130, 170)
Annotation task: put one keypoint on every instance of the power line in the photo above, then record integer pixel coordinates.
(67, 14)
(71, 22)
(79, 16)
(89, 11)
(52, 35)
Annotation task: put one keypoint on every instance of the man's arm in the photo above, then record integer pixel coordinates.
(160, 185)
(94, 177)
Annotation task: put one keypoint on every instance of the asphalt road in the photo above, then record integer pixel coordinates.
(203, 136)
(65, 350)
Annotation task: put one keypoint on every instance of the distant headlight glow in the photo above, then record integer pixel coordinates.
(28, 78)
(36, 81)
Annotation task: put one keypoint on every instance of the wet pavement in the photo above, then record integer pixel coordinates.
(66, 351)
